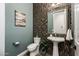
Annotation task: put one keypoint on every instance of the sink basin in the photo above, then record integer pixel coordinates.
(55, 41)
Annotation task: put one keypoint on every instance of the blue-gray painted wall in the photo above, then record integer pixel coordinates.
(22, 34)
(50, 22)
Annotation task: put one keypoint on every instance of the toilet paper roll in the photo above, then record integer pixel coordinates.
(16, 43)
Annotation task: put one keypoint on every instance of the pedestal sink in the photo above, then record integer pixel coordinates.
(55, 41)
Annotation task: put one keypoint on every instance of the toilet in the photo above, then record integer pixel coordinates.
(34, 47)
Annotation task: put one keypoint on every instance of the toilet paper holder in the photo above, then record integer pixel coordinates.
(16, 43)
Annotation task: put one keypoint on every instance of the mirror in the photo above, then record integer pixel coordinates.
(57, 21)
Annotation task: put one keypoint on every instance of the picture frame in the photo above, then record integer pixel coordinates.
(20, 19)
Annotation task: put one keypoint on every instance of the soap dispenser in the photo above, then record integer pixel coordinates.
(51, 33)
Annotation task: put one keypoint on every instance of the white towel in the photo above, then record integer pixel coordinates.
(69, 35)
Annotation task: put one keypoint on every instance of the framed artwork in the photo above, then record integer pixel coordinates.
(20, 19)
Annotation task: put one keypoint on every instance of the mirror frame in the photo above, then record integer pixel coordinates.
(63, 6)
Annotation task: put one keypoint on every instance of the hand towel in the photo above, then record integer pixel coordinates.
(69, 35)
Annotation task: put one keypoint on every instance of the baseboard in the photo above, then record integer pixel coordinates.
(23, 53)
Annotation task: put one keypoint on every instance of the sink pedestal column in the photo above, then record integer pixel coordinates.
(55, 49)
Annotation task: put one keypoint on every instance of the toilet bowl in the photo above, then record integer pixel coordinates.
(34, 47)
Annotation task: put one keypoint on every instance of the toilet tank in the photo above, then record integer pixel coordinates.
(37, 40)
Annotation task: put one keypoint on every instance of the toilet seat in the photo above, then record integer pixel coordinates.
(32, 47)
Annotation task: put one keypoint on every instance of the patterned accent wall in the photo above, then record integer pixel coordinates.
(40, 28)
(40, 22)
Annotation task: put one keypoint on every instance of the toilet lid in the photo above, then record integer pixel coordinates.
(32, 47)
